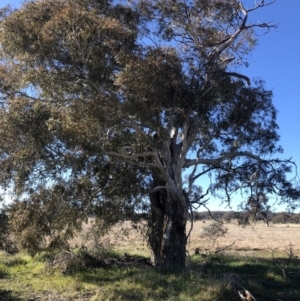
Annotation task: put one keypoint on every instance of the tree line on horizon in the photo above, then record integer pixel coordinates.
(245, 217)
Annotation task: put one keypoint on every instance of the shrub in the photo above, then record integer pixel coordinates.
(213, 233)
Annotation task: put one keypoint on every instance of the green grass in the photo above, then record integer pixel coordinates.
(23, 277)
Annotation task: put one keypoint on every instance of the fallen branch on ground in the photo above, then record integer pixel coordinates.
(244, 294)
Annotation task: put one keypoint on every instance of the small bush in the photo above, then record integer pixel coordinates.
(213, 233)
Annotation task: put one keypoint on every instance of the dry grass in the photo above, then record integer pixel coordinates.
(250, 239)
(121, 238)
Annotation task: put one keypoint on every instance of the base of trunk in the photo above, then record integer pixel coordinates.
(167, 232)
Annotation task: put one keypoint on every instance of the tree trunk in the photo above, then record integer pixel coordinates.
(155, 225)
(167, 230)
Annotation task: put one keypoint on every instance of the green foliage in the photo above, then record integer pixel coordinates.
(216, 229)
(45, 215)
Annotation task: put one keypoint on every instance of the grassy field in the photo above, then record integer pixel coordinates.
(255, 239)
(249, 260)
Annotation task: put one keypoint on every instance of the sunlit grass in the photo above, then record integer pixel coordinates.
(202, 279)
(112, 283)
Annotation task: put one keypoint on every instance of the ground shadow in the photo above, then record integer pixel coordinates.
(6, 295)
(258, 275)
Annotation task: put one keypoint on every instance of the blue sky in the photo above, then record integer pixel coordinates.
(276, 59)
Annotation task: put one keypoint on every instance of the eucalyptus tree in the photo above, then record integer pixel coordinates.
(109, 107)
(59, 60)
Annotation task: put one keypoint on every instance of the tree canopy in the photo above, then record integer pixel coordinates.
(112, 109)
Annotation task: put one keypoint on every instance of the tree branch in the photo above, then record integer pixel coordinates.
(157, 188)
(234, 74)
(128, 125)
(218, 161)
(130, 157)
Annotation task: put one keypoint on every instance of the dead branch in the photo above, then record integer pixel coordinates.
(244, 294)
(220, 250)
